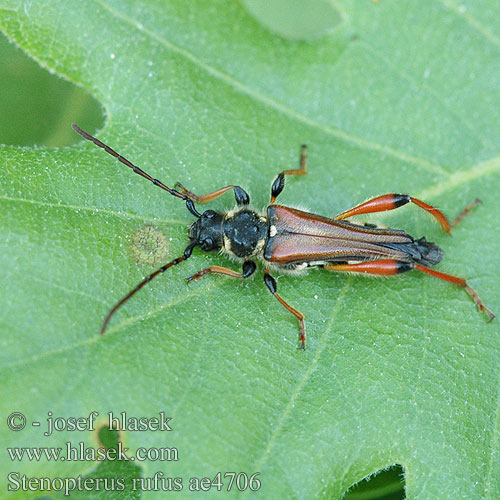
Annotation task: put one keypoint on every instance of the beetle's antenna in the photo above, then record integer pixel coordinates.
(147, 279)
(136, 169)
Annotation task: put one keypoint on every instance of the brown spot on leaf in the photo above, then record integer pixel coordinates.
(149, 246)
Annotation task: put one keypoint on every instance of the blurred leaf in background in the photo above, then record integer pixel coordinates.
(37, 107)
(296, 19)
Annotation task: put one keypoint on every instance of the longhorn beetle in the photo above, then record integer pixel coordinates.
(290, 240)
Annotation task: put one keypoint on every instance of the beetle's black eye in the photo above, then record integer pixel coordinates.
(210, 214)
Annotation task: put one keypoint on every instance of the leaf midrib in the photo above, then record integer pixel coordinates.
(258, 96)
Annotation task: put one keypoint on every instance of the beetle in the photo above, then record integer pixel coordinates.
(290, 240)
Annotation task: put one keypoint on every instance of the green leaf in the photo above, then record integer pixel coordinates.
(400, 97)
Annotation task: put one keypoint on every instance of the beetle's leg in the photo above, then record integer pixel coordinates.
(302, 170)
(240, 194)
(248, 269)
(460, 282)
(391, 202)
(465, 212)
(383, 267)
(279, 182)
(388, 267)
(271, 284)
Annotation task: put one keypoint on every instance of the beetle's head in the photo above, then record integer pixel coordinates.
(207, 231)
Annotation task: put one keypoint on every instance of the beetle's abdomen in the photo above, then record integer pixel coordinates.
(245, 233)
(420, 251)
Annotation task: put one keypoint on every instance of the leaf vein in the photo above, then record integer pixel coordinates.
(93, 339)
(92, 209)
(322, 343)
(427, 89)
(280, 107)
(472, 21)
